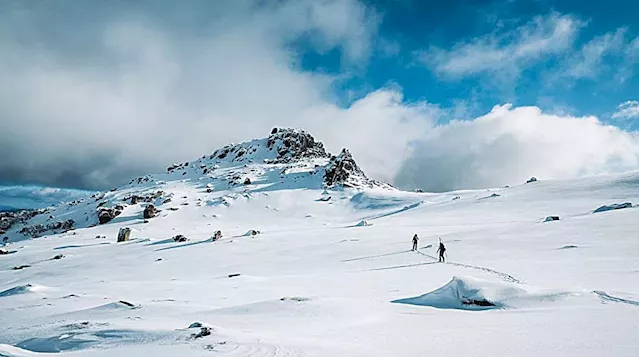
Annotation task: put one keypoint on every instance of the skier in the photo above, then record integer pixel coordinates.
(415, 242)
(440, 251)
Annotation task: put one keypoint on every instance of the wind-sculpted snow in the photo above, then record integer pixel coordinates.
(467, 293)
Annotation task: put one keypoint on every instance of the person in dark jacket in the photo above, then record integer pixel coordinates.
(415, 242)
(440, 251)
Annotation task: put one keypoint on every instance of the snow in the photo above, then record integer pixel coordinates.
(312, 284)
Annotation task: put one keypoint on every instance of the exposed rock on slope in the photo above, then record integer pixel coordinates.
(286, 159)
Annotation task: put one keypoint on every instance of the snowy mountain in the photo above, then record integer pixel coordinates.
(313, 258)
(287, 159)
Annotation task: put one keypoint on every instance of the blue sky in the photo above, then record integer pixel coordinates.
(590, 67)
(436, 95)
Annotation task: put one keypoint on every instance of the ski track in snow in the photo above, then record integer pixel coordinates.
(504, 276)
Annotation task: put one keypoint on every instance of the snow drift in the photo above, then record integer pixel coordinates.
(466, 293)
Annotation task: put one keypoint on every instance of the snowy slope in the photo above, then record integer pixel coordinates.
(331, 272)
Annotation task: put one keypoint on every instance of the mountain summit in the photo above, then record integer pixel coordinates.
(286, 159)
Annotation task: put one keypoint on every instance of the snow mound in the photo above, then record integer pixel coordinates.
(465, 293)
(613, 206)
(13, 351)
(22, 289)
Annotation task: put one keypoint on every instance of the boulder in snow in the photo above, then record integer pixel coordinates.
(552, 218)
(252, 233)
(217, 235)
(532, 179)
(470, 294)
(123, 234)
(105, 215)
(180, 238)
(149, 212)
(204, 331)
(613, 206)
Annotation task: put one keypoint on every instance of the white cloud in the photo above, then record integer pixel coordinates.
(599, 54)
(588, 62)
(129, 94)
(505, 51)
(509, 145)
(626, 111)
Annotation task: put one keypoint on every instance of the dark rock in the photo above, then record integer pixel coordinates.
(466, 301)
(58, 257)
(234, 275)
(149, 212)
(204, 331)
(217, 235)
(37, 230)
(552, 218)
(105, 215)
(569, 246)
(247, 181)
(20, 267)
(340, 168)
(180, 238)
(124, 234)
(533, 179)
(252, 232)
(274, 131)
(126, 303)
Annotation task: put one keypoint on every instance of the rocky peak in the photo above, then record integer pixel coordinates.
(292, 144)
(340, 168)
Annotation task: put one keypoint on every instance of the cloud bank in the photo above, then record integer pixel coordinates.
(125, 92)
(509, 145)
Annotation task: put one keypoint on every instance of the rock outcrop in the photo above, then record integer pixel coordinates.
(106, 214)
(149, 212)
(37, 230)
